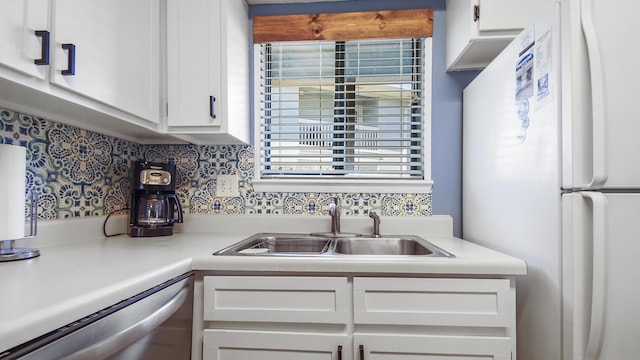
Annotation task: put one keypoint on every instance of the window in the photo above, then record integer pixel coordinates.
(350, 115)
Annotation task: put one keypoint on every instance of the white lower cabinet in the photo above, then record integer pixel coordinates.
(273, 345)
(434, 301)
(357, 317)
(271, 299)
(421, 347)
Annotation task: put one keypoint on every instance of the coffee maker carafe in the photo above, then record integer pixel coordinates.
(154, 204)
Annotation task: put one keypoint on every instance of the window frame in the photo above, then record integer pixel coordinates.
(347, 185)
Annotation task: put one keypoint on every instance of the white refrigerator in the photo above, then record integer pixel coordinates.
(551, 174)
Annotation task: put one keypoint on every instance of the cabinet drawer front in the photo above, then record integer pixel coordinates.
(268, 345)
(437, 302)
(422, 347)
(321, 300)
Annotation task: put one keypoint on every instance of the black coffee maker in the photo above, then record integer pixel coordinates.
(154, 205)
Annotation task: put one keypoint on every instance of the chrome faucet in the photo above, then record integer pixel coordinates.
(376, 224)
(334, 212)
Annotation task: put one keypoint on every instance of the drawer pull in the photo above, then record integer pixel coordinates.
(361, 352)
(44, 59)
(71, 56)
(339, 352)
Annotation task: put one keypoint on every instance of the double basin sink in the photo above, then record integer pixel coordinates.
(283, 244)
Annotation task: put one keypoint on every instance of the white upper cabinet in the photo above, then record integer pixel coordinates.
(208, 70)
(478, 30)
(20, 45)
(115, 49)
(109, 50)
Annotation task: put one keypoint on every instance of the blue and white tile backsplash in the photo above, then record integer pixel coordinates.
(79, 173)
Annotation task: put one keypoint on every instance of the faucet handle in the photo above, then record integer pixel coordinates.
(334, 212)
(332, 208)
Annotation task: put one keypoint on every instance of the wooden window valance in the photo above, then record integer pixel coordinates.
(387, 24)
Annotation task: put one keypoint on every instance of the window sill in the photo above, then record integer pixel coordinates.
(344, 186)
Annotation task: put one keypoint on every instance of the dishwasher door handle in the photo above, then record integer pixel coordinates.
(122, 338)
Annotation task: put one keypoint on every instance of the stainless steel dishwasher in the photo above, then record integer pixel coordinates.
(155, 324)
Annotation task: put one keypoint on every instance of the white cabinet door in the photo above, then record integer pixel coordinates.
(117, 52)
(507, 15)
(193, 60)
(208, 69)
(478, 30)
(272, 299)
(271, 345)
(294, 317)
(421, 347)
(20, 47)
(434, 302)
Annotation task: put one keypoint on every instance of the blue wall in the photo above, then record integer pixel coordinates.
(446, 117)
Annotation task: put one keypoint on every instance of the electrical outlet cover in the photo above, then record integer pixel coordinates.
(227, 185)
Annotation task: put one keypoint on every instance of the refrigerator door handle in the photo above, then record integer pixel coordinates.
(599, 276)
(599, 129)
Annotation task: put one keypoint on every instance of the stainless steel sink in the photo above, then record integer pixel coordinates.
(284, 244)
(279, 244)
(407, 245)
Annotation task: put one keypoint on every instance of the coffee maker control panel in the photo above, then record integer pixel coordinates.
(155, 177)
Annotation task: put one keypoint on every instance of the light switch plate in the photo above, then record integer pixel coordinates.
(227, 185)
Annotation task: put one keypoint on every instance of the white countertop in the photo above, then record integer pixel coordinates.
(80, 271)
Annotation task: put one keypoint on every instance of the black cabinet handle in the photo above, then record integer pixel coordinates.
(71, 67)
(361, 352)
(339, 352)
(212, 106)
(44, 59)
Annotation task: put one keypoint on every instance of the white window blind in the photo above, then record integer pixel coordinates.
(352, 109)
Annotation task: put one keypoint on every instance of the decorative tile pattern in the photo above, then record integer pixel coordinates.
(76, 172)
(79, 173)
